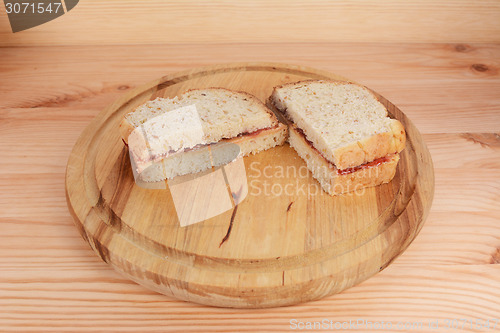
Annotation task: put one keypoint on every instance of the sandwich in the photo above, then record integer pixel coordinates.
(341, 131)
(197, 130)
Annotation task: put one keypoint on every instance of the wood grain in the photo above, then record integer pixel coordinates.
(443, 73)
(51, 280)
(320, 246)
(158, 22)
(101, 300)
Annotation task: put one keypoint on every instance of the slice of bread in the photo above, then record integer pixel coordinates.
(170, 137)
(215, 155)
(335, 181)
(344, 121)
(223, 113)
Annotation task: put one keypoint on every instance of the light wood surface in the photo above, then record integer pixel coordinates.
(50, 278)
(50, 274)
(272, 21)
(274, 248)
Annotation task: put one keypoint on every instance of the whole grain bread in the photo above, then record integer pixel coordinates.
(215, 155)
(333, 180)
(168, 137)
(223, 113)
(344, 121)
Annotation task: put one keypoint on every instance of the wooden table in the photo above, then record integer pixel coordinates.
(438, 61)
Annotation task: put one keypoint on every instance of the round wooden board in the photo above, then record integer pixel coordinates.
(282, 248)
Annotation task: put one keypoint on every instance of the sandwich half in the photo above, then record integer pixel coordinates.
(201, 128)
(342, 132)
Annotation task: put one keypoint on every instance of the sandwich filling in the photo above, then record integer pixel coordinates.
(375, 163)
(155, 157)
(345, 122)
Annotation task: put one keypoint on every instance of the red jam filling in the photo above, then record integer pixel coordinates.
(347, 171)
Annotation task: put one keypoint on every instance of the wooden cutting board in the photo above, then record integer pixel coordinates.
(276, 247)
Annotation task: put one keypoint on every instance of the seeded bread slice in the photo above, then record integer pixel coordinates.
(335, 181)
(344, 121)
(223, 113)
(170, 137)
(215, 155)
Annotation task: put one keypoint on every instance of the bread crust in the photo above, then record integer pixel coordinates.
(368, 177)
(327, 174)
(371, 148)
(126, 128)
(291, 84)
(361, 151)
(264, 107)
